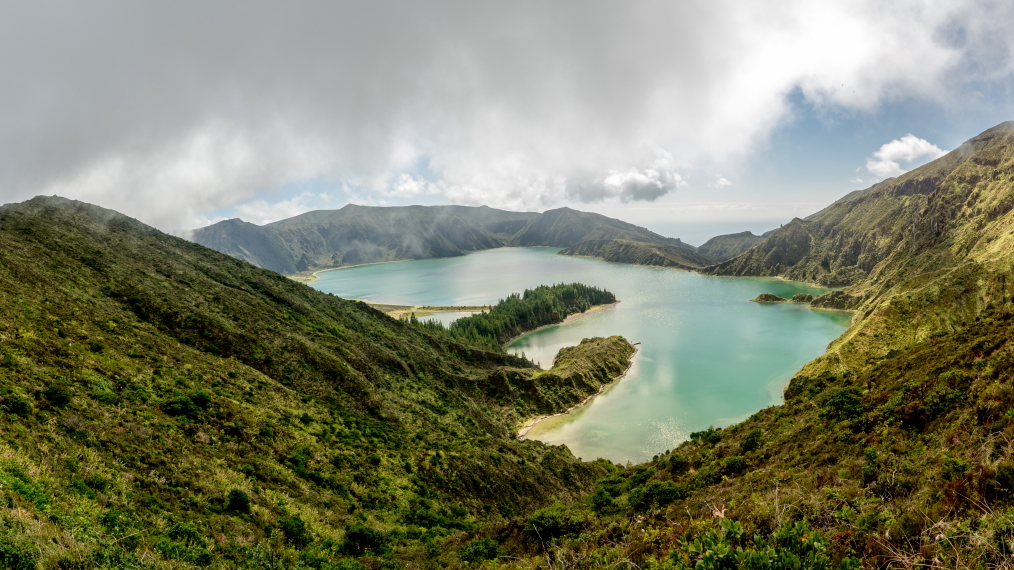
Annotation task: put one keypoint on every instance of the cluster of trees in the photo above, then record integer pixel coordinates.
(517, 314)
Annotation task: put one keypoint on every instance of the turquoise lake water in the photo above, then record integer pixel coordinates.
(707, 355)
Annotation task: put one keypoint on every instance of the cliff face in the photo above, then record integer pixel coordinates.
(639, 253)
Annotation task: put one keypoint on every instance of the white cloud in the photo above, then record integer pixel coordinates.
(409, 186)
(169, 111)
(720, 182)
(653, 177)
(885, 162)
(261, 212)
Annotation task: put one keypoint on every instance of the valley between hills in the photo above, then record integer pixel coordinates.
(167, 405)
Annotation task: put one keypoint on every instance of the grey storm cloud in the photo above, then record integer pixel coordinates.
(170, 110)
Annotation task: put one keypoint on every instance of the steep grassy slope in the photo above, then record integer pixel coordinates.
(164, 405)
(725, 247)
(639, 253)
(929, 208)
(359, 234)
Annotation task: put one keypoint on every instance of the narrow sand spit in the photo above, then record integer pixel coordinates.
(531, 423)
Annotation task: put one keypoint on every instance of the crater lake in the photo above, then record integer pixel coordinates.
(707, 355)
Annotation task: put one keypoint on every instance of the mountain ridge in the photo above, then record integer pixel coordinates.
(639, 253)
(353, 235)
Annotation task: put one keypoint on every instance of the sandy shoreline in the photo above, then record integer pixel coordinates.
(307, 277)
(420, 311)
(567, 321)
(532, 422)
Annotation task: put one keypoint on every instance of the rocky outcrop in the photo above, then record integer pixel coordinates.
(769, 298)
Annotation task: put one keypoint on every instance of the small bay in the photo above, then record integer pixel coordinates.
(707, 355)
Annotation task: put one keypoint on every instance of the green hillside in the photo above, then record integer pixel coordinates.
(565, 227)
(359, 234)
(639, 253)
(725, 247)
(163, 405)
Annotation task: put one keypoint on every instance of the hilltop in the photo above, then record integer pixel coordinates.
(725, 247)
(639, 253)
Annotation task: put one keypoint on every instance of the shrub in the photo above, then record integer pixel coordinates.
(639, 477)
(552, 522)
(295, 531)
(16, 405)
(361, 539)
(194, 554)
(1004, 480)
(201, 400)
(842, 403)
(790, 546)
(656, 494)
(602, 501)
(732, 465)
(58, 395)
(116, 521)
(189, 406)
(678, 463)
(710, 436)
(186, 533)
(17, 556)
(752, 440)
(183, 541)
(954, 468)
(480, 549)
(238, 502)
